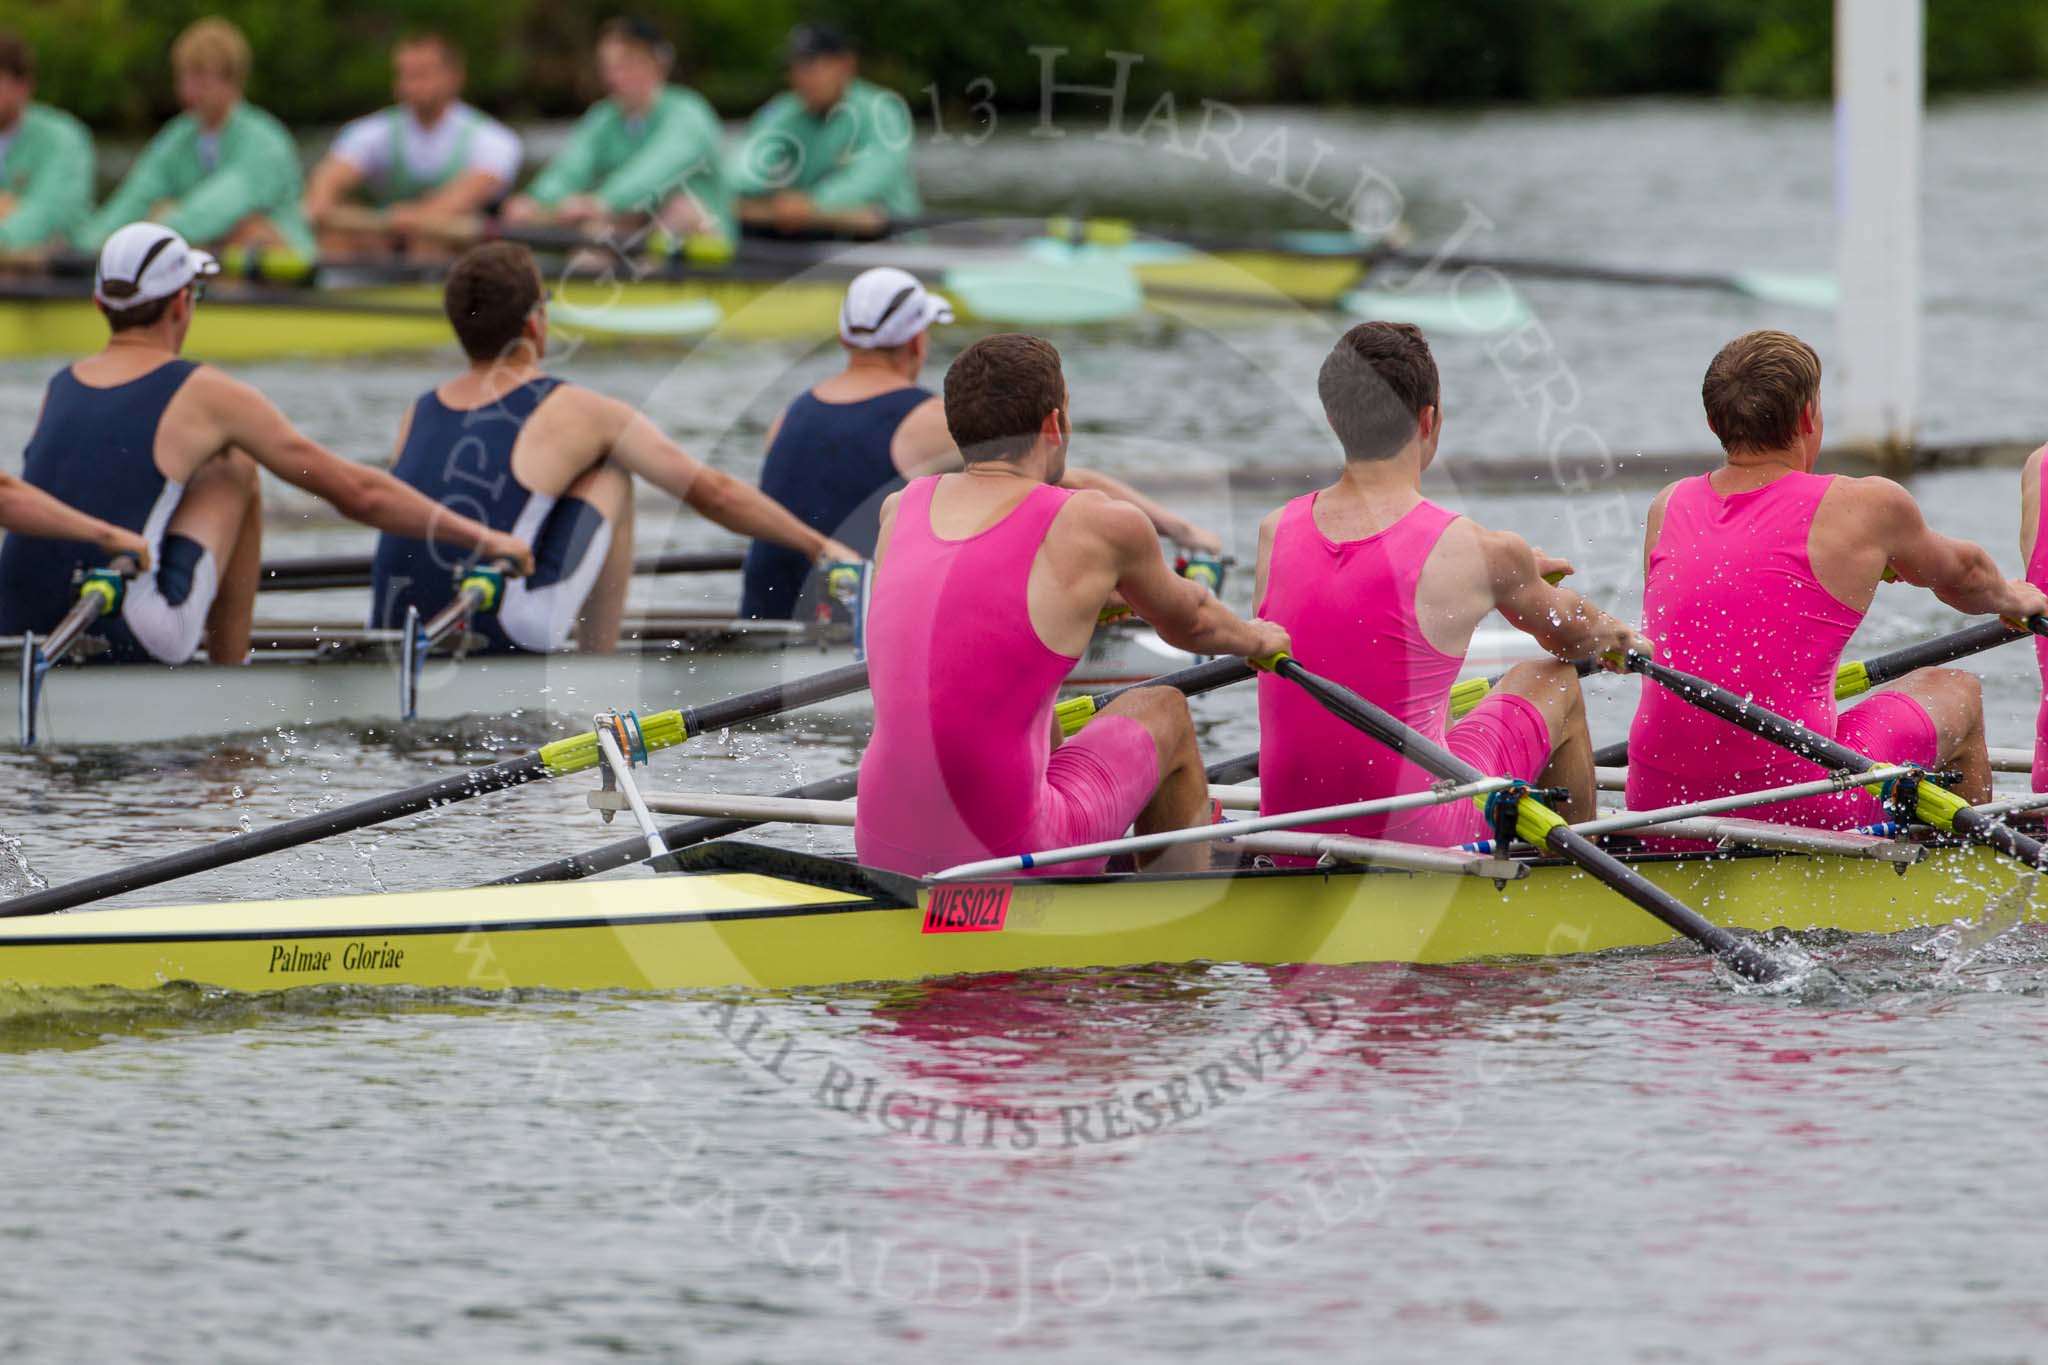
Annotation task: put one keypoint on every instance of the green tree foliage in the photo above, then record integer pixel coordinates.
(323, 60)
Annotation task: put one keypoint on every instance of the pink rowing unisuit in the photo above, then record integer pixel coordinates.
(2037, 574)
(1350, 608)
(1732, 597)
(961, 766)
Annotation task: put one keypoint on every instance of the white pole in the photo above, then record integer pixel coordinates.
(1878, 84)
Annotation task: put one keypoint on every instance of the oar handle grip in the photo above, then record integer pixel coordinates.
(488, 582)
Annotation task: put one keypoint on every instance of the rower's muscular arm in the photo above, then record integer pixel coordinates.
(26, 509)
(1561, 620)
(332, 181)
(2030, 505)
(1185, 613)
(713, 494)
(1959, 572)
(923, 444)
(1653, 525)
(243, 417)
(470, 192)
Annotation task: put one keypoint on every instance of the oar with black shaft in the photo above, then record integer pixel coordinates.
(1932, 804)
(1535, 822)
(575, 754)
(318, 573)
(1855, 678)
(1073, 714)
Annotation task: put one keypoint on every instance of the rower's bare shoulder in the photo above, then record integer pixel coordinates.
(233, 404)
(1871, 500)
(597, 417)
(2030, 473)
(1093, 511)
(1466, 538)
(1269, 528)
(575, 402)
(211, 385)
(1506, 556)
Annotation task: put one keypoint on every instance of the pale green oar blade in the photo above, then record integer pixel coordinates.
(1464, 312)
(1035, 292)
(1147, 251)
(1813, 289)
(689, 317)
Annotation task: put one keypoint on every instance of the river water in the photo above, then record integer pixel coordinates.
(1623, 1157)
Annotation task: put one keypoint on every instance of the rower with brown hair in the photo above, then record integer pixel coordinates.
(550, 462)
(989, 587)
(426, 163)
(1755, 577)
(1382, 589)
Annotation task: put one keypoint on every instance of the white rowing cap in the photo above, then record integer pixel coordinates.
(887, 307)
(144, 262)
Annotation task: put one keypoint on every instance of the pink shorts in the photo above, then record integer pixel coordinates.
(1889, 727)
(1504, 736)
(1096, 783)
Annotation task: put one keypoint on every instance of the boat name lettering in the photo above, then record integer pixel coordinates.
(967, 909)
(290, 957)
(368, 957)
(358, 956)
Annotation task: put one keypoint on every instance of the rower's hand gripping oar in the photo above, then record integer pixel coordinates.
(99, 594)
(478, 589)
(1534, 822)
(574, 754)
(1930, 803)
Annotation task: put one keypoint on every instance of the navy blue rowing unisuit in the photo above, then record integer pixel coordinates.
(95, 448)
(462, 459)
(830, 466)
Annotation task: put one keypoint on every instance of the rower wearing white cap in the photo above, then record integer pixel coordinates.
(168, 449)
(844, 445)
(548, 461)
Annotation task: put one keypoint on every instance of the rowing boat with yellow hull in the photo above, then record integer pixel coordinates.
(747, 916)
(243, 321)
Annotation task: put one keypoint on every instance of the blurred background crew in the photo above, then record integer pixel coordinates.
(223, 173)
(45, 157)
(426, 164)
(648, 149)
(829, 154)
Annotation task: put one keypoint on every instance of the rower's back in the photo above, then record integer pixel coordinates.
(1385, 602)
(461, 457)
(964, 685)
(1731, 594)
(94, 447)
(830, 463)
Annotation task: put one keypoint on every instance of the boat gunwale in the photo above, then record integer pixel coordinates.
(711, 866)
